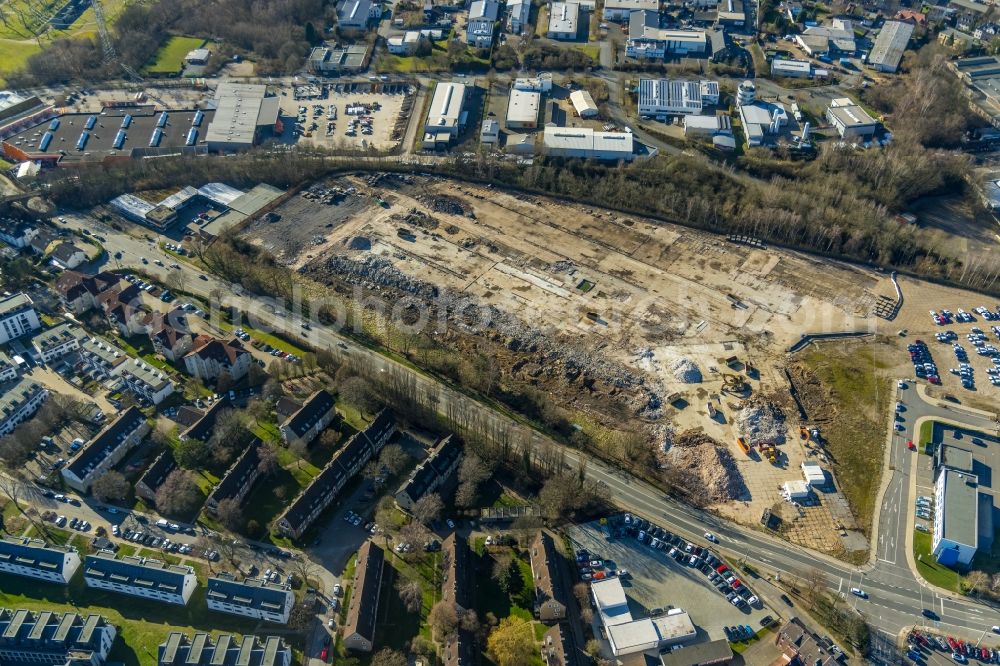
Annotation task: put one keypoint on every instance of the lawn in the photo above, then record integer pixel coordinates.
(932, 572)
(592, 51)
(397, 627)
(926, 435)
(169, 59)
(850, 400)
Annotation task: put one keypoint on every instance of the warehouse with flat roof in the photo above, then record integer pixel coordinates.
(851, 121)
(446, 114)
(522, 109)
(564, 20)
(587, 143)
(890, 45)
(244, 116)
(76, 138)
(955, 538)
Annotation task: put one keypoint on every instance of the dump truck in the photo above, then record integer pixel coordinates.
(742, 443)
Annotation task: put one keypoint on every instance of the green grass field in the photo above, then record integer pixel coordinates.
(932, 572)
(169, 59)
(26, 31)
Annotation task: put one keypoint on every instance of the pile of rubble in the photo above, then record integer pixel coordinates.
(551, 357)
(704, 467)
(442, 204)
(686, 371)
(761, 421)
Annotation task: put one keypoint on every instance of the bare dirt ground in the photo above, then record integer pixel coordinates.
(642, 306)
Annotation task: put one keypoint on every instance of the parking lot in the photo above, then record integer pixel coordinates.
(963, 354)
(656, 581)
(341, 115)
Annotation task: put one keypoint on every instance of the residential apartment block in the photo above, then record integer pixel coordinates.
(431, 474)
(546, 572)
(54, 343)
(19, 403)
(253, 597)
(323, 489)
(33, 558)
(155, 475)
(17, 317)
(209, 358)
(238, 480)
(310, 420)
(151, 580)
(147, 382)
(225, 650)
(359, 632)
(106, 449)
(8, 369)
(45, 637)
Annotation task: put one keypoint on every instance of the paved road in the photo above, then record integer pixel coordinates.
(896, 598)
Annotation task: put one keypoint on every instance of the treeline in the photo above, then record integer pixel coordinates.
(274, 31)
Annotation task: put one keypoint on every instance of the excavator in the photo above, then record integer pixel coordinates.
(734, 383)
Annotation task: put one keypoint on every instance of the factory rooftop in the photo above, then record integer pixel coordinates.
(126, 131)
(889, 45)
(959, 509)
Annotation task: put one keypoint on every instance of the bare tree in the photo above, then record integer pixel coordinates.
(179, 494)
(110, 485)
(977, 582)
(268, 459)
(230, 514)
(357, 392)
(394, 459)
(428, 508)
(411, 594)
(443, 619)
(388, 657)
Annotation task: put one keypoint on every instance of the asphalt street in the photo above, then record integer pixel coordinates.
(896, 598)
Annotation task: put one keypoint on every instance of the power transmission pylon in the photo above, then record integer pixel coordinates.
(110, 53)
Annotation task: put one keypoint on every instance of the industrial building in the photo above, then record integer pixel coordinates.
(628, 635)
(518, 13)
(522, 109)
(587, 143)
(564, 20)
(663, 97)
(583, 104)
(356, 14)
(244, 116)
(223, 650)
(116, 132)
(890, 45)
(33, 558)
(647, 40)
(256, 598)
(151, 580)
(482, 22)
(336, 60)
(833, 39)
(490, 131)
(60, 639)
(446, 114)
(707, 126)
(791, 69)
(620, 10)
(955, 537)
(851, 121)
(731, 13)
(760, 119)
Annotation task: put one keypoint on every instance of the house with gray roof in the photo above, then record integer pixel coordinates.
(224, 650)
(239, 479)
(359, 632)
(305, 425)
(326, 485)
(148, 579)
(33, 558)
(255, 598)
(106, 449)
(432, 474)
(155, 475)
(46, 637)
